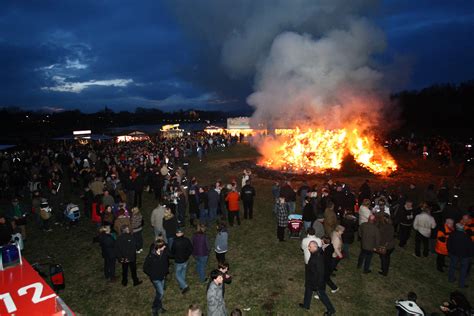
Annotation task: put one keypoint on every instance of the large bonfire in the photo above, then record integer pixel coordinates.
(317, 150)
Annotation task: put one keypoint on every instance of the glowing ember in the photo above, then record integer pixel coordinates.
(315, 151)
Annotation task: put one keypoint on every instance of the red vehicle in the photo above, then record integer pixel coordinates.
(23, 291)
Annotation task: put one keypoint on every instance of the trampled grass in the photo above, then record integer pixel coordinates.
(268, 276)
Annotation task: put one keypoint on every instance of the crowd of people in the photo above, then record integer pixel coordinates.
(334, 216)
(111, 179)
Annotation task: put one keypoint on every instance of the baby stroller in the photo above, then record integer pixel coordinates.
(72, 213)
(295, 225)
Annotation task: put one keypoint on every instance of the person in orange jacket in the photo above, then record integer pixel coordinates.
(441, 247)
(232, 200)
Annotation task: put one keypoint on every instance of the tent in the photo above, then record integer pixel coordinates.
(135, 136)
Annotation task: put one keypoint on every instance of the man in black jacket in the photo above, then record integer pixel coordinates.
(125, 250)
(247, 193)
(314, 279)
(181, 251)
(156, 267)
(460, 249)
(107, 244)
(406, 218)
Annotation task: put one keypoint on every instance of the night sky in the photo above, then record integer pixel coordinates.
(87, 54)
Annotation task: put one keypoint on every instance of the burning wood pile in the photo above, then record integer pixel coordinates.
(313, 151)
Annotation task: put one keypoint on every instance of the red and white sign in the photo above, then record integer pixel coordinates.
(24, 292)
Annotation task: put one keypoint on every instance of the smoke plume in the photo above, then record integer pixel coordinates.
(311, 60)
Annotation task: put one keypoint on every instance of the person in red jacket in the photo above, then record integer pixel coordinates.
(232, 200)
(441, 247)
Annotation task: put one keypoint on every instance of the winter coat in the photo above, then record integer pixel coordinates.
(200, 245)
(97, 187)
(460, 245)
(247, 193)
(318, 229)
(156, 267)
(170, 226)
(288, 193)
(350, 224)
(276, 191)
(203, 201)
(233, 201)
(220, 245)
(330, 221)
(108, 200)
(424, 223)
(193, 199)
(364, 213)
(139, 183)
(387, 232)
(107, 244)
(213, 199)
(314, 272)
(107, 218)
(125, 248)
(281, 212)
(156, 219)
(182, 249)
(137, 222)
(308, 213)
(215, 300)
(122, 220)
(370, 236)
(406, 216)
(442, 236)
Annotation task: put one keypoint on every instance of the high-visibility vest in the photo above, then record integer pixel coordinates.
(442, 236)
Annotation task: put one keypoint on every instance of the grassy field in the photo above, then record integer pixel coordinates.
(268, 276)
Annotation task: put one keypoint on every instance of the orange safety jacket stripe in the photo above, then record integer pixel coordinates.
(442, 236)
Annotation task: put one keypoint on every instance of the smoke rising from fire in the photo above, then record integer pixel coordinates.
(326, 82)
(310, 59)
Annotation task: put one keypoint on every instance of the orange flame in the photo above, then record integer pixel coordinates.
(314, 151)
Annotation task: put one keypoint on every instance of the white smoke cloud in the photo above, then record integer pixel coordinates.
(324, 81)
(312, 60)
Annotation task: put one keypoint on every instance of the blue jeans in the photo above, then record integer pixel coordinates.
(306, 225)
(158, 232)
(323, 297)
(181, 274)
(201, 263)
(160, 291)
(345, 250)
(365, 257)
(203, 216)
(291, 207)
(212, 214)
(464, 262)
(170, 242)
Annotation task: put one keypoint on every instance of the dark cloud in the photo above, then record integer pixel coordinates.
(199, 54)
